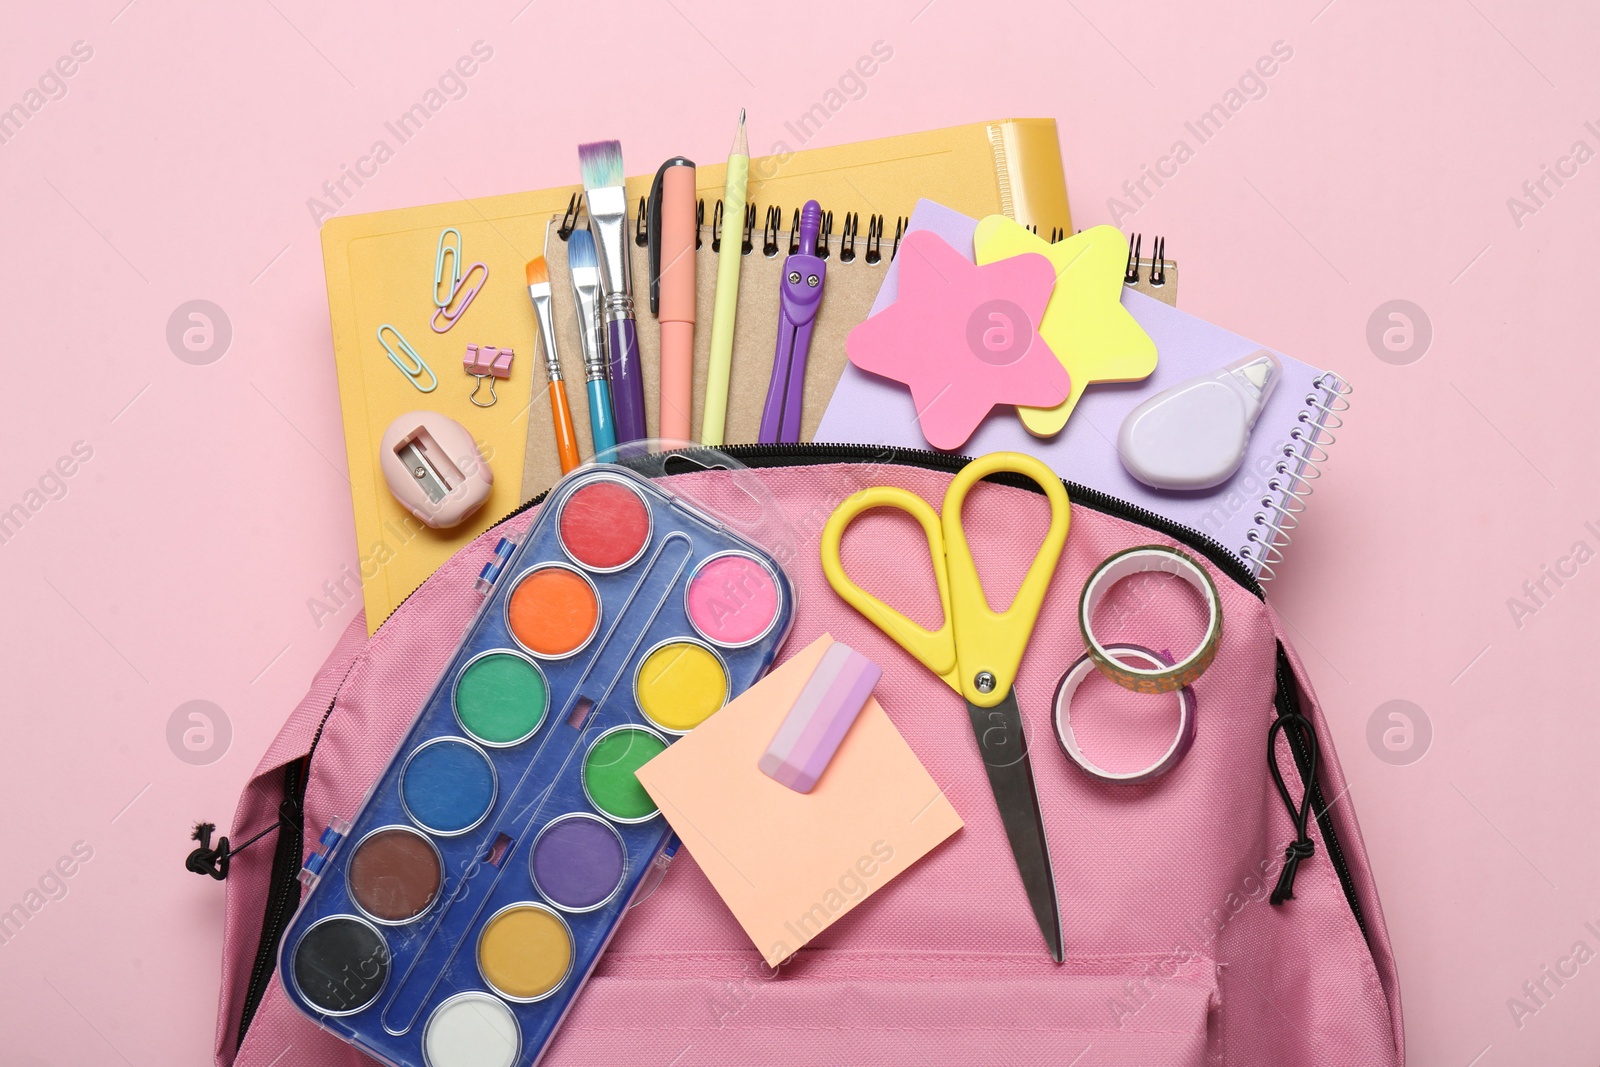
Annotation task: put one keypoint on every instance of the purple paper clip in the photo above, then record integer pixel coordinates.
(449, 316)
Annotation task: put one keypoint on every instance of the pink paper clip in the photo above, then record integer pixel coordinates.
(461, 288)
(486, 362)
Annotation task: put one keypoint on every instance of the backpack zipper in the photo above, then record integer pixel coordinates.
(1288, 703)
(808, 455)
(283, 890)
(763, 457)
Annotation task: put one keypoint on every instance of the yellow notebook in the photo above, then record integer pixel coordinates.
(380, 271)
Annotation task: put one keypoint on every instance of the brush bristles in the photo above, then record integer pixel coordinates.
(600, 163)
(580, 250)
(538, 273)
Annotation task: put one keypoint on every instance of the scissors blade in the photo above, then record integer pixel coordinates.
(1004, 748)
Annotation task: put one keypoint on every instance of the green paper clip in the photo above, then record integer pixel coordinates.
(439, 279)
(416, 368)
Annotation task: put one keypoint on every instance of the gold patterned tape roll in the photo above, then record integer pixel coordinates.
(1143, 560)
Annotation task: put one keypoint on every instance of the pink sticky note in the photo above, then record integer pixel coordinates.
(775, 855)
(963, 337)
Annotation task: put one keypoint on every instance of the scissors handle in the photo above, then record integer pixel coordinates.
(936, 649)
(990, 644)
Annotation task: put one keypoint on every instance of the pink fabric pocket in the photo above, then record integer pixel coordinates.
(1131, 1011)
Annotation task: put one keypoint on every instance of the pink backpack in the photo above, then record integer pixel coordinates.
(1177, 953)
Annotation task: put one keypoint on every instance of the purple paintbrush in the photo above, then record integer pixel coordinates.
(600, 162)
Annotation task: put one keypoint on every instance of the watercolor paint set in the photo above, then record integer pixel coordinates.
(453, 920)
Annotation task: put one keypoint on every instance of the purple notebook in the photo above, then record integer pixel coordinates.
(1249, 514)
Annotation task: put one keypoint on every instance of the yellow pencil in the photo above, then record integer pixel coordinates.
(714, 420)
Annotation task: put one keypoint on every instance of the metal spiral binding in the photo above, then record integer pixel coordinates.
(1270, 555)
(1337, 391)
(1158, 260)
(1315, 454)
(1301, 465)
(569, 217)
(850, 236)
(847, 236)
(877, 227)
(1291, 514)
(769, 231)
(748, 245)
(875, 239)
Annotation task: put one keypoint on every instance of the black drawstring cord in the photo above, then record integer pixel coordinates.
(205, 859)
(1302, 847)
(214, 861)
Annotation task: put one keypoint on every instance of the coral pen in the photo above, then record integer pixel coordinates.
(673, 231)
(538, 275)
(714, 423)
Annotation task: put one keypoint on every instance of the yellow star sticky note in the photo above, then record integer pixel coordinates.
(1084, 324)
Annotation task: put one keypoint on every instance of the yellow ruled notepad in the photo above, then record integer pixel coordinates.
(380, 270)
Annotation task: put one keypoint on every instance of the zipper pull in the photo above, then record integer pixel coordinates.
(1302, 847)
(205, 859)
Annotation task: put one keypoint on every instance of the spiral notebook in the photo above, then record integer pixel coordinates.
(1251, 514)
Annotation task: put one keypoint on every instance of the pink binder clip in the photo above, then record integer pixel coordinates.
(466, 292)
(486, 363)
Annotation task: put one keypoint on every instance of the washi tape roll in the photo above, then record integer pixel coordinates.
(1143, 560)
(1068, 686)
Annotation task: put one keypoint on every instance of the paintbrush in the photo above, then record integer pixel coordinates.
(538, 275)
(585, 271)
(600, 163)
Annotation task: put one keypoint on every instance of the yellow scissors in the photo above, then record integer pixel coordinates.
(977, 650)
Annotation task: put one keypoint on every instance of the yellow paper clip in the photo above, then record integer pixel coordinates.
(410, 364)
(466, 293)
(444, 287)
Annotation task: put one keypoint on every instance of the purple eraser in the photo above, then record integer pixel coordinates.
(810, 734)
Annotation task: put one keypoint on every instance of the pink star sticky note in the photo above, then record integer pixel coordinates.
(963, 337)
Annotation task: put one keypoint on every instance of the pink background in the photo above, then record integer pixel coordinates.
(176, 563)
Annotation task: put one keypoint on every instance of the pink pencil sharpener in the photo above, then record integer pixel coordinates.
(434, 468)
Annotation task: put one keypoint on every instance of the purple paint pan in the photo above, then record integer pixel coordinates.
(578, 862)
